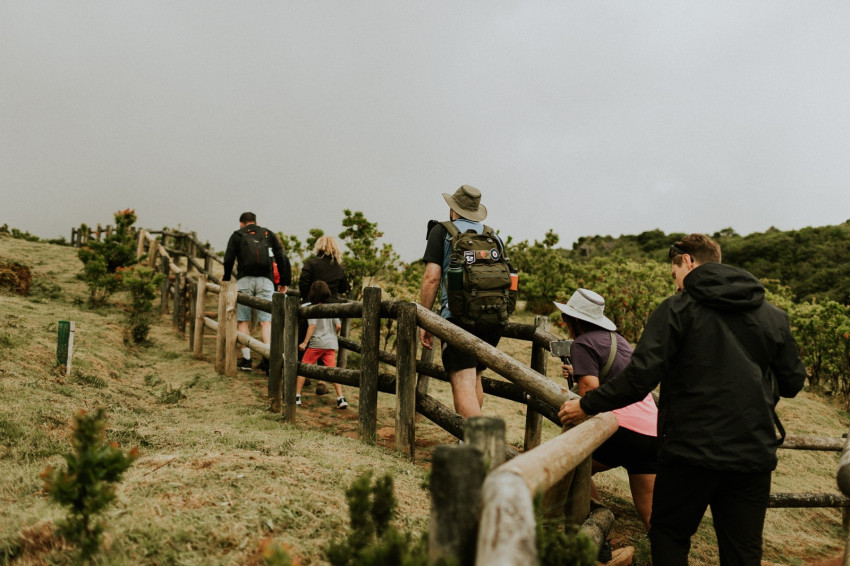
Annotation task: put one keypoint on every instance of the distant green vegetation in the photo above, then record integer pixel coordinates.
(806, 272)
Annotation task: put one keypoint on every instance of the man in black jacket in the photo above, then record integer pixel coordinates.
(253, 248)
(723, 357)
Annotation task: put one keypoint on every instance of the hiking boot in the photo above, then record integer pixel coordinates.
(298, 400)
(605, 554)
(244, 364)
(263, 366)
(321, 389)
(341, 403)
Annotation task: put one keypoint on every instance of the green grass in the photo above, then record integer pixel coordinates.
(218, 474)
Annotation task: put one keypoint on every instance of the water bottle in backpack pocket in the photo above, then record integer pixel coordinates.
(479, 280)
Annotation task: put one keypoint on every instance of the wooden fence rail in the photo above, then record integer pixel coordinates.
(559, 467)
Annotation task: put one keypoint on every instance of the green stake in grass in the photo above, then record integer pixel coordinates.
(65, 345)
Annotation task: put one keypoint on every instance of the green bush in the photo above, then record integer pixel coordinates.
(143, 284)
(87, 484)
(372, 540)
(822, 331)
(102, 260)
(556, 547)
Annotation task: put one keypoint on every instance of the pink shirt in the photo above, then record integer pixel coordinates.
(640, 417)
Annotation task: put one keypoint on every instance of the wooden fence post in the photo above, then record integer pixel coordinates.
(533, 419)
(166, 283)
(487, 434)
(153, 251)
(179, 314)
(207, 261)
(371, 340)
(230, 331)
(457, 474)
(183, 305)
(405, 384)
(200, 306)
(578, 500)
(191, 302)
(220, 334)
(423, 382)
(342, 359)
(140, 250)
(290, 355)
(276, 349)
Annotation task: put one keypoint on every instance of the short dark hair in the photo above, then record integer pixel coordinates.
(699, 246)
(319, 292)
(248, 218)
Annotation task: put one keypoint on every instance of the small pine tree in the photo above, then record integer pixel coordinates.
(556, 547)
(373, 541)
(101, 260)
(143, 284)
(87, 485)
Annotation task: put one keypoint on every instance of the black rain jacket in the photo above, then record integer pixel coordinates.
(723, 356)
(323, 268)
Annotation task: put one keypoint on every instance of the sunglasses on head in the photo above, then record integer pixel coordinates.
(675, 250)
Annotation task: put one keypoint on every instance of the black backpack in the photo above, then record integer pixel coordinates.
(255, 252)
(480, 282)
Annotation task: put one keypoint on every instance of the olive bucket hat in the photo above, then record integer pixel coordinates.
(588, 306)
(467, 202)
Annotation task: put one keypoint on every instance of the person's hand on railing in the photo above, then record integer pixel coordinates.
(571, 412)
(425, 338)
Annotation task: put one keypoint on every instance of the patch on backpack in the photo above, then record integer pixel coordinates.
(469, 256)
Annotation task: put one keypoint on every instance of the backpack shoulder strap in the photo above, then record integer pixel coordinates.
(487, 231)
(611, 355)
(451, 228)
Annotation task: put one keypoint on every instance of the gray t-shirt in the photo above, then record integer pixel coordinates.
(324, 337)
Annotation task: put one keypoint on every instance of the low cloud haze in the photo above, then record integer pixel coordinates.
(586, 118)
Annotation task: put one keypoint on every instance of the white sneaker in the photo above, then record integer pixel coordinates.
(298, 400)
(341, 403)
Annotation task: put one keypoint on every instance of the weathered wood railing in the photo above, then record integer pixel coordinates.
(559, 467)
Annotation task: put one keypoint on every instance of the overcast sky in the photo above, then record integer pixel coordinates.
(583, 117)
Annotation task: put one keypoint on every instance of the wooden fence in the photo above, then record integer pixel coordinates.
(476, 517)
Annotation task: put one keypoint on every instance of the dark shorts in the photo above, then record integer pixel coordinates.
(636, 452)
(455, 360)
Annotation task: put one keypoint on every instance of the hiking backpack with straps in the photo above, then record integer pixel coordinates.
(480, 285)
(255, 252)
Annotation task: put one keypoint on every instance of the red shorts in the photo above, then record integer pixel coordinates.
(312, 355)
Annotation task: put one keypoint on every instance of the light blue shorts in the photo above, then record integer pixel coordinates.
(261, 287)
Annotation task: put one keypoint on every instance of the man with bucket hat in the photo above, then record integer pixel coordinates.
(723, 356)
(598, 355)
(466, 213)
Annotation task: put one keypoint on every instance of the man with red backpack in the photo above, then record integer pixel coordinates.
(256, 250)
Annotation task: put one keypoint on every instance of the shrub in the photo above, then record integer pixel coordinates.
(15, 276)
(556, 547)
(87, 485)
(822, 331)
(102, 260)
(372, 539)
(100, 281)
(142, 283)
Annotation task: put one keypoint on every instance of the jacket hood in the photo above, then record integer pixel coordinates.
(724, 288)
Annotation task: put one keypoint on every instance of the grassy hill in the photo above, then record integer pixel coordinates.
(218, 474)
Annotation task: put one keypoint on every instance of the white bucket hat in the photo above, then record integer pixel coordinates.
(588, 306)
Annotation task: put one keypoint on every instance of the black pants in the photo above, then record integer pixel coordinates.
(738, 502)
